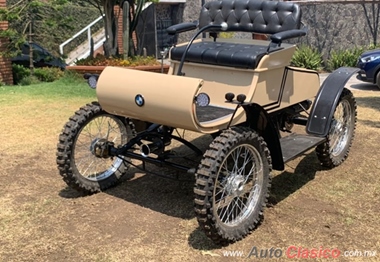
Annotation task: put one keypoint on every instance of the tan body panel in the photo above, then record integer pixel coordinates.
(217, 82)
(279, 88)
(169, 99)
(300, 84)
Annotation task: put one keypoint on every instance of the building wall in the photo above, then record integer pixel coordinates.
(119, 14)
(332, 24)
(5, 63)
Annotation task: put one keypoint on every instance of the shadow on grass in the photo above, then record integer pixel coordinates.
(175, 198)
(369, 102)
(370, 123)
(69, 192)
(168, 196)
(365, 87)
(287, 183)
(283, 185)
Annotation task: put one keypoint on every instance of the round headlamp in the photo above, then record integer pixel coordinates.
(202, 99)
(92, 81)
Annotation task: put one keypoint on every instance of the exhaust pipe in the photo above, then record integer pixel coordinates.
(146, 149)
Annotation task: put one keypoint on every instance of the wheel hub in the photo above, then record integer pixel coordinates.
(99, 148)
(235, 184)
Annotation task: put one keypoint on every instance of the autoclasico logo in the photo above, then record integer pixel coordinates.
(299, 252)
(294, 252)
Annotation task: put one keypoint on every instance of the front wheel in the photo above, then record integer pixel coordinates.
(378, 79)
(232, 185)
(342, 130)
(81, 162)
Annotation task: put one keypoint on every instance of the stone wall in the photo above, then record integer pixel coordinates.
(191, 10)
(5, 63)
(337, 24)
(332, 24)
(163, 11)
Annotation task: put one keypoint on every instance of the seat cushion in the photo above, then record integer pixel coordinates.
(263, 17)
(222, 54)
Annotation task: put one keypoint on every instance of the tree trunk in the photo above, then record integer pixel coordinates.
(110, 45)
(31, 65)
(125, 29)
(372, 18)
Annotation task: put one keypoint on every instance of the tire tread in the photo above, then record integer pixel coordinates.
(205, 183)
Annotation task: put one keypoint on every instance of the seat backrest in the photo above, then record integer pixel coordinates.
(256, 16)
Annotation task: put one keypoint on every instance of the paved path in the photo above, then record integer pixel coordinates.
(354, 83)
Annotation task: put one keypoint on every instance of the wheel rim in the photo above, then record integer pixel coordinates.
(340, 129)
(88, 165)
(238, 185)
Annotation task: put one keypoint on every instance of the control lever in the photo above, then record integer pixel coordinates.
(239, 102)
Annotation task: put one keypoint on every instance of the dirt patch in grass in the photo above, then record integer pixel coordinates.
(148, 218)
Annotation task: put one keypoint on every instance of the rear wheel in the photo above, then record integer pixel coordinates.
(81, 161)
(232, 185)
(342, 130)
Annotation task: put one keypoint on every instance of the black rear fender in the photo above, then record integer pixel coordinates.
(326, 101)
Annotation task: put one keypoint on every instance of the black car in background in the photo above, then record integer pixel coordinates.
(41, 57)
(369, 65)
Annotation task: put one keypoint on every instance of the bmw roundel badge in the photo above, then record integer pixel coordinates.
(139, 100)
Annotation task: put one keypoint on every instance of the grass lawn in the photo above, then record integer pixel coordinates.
(33, 110)
(149, 218)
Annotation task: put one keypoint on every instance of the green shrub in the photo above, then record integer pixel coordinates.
(347, 57)
(307, 57)
(22, 76)
(51, 34)
(48, 74)
(70, 76)
(226, 34)
(371, 47)
(101, 60)
(19, 72)
(29, 80)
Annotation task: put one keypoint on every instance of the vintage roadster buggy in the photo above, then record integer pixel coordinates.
(242, 92)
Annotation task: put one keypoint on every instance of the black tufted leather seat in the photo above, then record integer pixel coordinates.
(223, 54)
(263, 17)
(256, 16)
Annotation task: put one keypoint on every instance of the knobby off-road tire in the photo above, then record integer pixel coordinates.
(232, 185)
(342, 130)
(77, 164)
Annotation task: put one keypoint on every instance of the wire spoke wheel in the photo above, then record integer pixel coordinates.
(232, 185)
(342, 130)
(100, 128)
(82, 155)
(238, 184)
